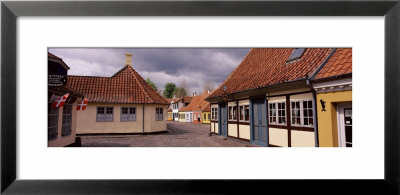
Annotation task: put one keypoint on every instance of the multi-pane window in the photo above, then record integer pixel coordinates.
(277, 113)
(308, 113)
(52, 123)
(272, 113)
(214, 113)
(208, 116)
(204, 117)
(159, 114)
(232, 113)
(128, 114)
(281, 113)
(302, 113)
(66, 120)
(296, 117)
(105, 114)
(244, 113)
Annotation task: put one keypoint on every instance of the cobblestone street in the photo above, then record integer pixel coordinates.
(178, 135)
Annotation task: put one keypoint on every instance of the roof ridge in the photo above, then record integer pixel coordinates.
(88, 76)
(140, 84)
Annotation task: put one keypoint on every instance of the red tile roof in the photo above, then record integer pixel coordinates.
(340, 63)
(198, 103)
(125, 86)
(185, 99)
(169, 100)
(267, 66)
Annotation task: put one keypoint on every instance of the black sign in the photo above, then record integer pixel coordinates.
(57, 80)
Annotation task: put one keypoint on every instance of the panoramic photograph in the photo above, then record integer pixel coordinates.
(199, 97)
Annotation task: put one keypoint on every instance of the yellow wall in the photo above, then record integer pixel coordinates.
(327, 120)
(69, 139)
(87, 120)
(170, 114)
(207, 119)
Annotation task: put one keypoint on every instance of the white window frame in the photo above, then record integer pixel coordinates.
(302, 112)
(231, 112)
(243, 111)
(277, 113)
(214, 113)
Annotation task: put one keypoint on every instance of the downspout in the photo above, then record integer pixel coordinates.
(314, 96)
(143, 119)
(251, 121)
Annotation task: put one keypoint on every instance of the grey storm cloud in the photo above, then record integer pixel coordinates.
(195, 66)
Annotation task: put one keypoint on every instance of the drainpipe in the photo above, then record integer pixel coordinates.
(143, 119)
(315, 118)
(314, 94)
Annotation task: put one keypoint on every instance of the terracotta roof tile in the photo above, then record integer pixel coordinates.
(267, 66)
(339, 64)
(198, 103)
(125, 86)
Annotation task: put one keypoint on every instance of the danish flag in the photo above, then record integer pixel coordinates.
(60, 101)
(82, 105)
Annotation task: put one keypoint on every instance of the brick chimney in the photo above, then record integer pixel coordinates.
(128, 59)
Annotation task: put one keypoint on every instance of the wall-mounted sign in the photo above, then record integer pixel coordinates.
(57, 80)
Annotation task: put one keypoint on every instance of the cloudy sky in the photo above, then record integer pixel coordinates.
(195, 66)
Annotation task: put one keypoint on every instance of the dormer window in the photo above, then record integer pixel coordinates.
(296, 54)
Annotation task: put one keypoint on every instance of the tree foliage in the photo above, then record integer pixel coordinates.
(169, 90)
(154, 86)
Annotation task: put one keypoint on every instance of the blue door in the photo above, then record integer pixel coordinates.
(259, 123)
(224, 120)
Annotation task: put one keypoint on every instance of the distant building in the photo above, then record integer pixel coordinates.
(122, 103)
(269, 99)
(178, 104)
(198, 111)
(61, 124)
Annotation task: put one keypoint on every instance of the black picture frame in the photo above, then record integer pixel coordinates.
(10, 10)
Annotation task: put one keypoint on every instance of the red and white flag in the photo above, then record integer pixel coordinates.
(82, 105)
(60, 101)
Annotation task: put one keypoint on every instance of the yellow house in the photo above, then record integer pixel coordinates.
(122, 103)
(333, 85)
(170, 115)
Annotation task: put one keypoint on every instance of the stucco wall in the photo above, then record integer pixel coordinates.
(68, 139)
(232, 130)
(327, 120)
(302, 138)
(278, 137)
(244, 131)
(87, 120)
